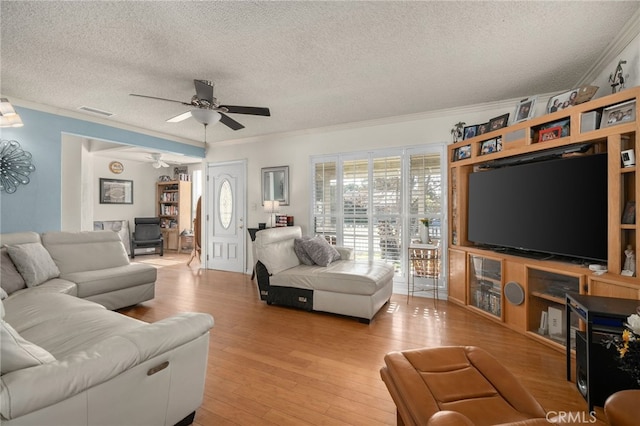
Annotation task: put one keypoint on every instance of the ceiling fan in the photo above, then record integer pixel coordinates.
(207, 110)
(157, 160)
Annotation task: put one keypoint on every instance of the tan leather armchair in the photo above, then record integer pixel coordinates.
(465, 380)
(623, 408)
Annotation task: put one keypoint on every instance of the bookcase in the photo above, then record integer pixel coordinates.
(477, 276)
(173, 207)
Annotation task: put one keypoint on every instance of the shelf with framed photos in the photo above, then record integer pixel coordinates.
(173, 207)
(591, 125)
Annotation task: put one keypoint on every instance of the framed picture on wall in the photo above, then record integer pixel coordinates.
(116, 191)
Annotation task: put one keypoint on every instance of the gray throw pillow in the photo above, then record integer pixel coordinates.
(34, 263)
(10, 278)
(320, 251)
(300, 251)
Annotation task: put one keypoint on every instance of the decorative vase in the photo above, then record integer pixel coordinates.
(424, 234)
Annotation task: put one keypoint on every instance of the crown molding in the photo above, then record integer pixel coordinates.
(627, 34)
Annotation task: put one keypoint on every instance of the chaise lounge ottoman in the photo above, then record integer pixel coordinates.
(346, 287)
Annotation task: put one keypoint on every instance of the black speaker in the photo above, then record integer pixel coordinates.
(605, 378)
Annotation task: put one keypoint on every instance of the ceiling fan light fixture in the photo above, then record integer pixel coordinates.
(206, 116)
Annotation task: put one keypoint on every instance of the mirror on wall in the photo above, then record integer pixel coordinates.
(275, 184)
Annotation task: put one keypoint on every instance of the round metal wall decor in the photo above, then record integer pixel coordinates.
(15, 166)
(116, 167)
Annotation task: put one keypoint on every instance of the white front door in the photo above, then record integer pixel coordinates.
(225, 227)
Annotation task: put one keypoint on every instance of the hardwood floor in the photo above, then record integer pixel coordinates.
(276, 365)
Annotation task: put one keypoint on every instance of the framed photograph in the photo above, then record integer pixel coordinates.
(570, 98)
(629, 214)
(618, 114)
(524, 109)
(498, 122)
(550, 134)
(470, 131)
(464, 152)
(487, 147)
(482, 129)
(116, 191)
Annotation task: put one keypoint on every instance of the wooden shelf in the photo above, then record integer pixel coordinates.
(175, 213)
(623, 185)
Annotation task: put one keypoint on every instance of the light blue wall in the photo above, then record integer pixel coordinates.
(36, 206)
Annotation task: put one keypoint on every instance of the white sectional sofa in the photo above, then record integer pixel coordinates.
(347, 287)
(90, 265)
(66, 360)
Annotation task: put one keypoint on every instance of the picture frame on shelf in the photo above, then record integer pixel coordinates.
(524, 109)
(482, 128)
(551, 133)
(498, 122)
(570, 98)
(565, 124)
(469, 131)
(629, 214)
(619, 114)
(116, 191)
(490, 146)
(462, 153)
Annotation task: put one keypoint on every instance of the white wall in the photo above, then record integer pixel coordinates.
(144, 179)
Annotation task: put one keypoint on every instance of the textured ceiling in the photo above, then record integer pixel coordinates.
(313, 64)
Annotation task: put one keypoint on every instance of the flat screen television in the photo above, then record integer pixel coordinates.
(553, 207)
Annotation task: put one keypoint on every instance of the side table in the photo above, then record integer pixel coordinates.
(600, 314)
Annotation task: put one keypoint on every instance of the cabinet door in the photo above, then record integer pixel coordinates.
(600, 288)
(457, 276)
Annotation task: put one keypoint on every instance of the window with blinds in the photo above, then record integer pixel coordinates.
(366, 201)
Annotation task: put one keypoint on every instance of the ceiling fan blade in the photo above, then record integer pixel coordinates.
(179, 117)
(204, 90)
(234, 109)
(230, 122)
(160, 99)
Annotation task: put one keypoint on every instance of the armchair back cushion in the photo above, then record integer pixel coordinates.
(275, 248)
(147, 229)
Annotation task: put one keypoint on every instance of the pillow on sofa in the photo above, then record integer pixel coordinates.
(301, 252)
(10, 278)
(320, 251)
(34, 263)
(17, 353)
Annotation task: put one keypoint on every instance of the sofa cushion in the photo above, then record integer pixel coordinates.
(16, 353)
(344, 276)
(85, 251)
(33, 262)
(64, 324)
(301, 252)
(90, 283)
(320, 251)
(10, 278)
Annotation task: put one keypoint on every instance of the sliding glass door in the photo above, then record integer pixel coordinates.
(372, 202)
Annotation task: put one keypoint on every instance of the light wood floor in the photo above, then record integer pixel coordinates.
(276, 365)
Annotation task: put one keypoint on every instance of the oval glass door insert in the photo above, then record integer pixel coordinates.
(225, 204)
